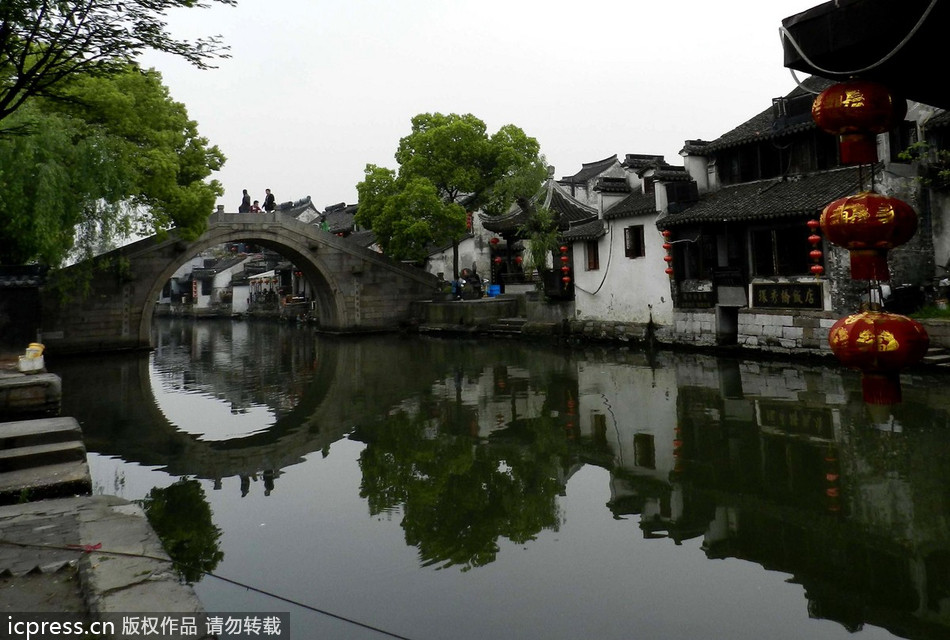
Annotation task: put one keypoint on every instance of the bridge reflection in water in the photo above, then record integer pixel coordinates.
(470, 445)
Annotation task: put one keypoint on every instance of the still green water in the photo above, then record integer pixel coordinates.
(442, 488)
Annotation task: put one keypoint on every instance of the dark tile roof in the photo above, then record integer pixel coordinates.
(296, 208)
(938, 120)
(339, 218)
(612, 185)
(216, 268)
(568, 211)
(642, 160)
(585, 231)
(635, 204)
(764, 126)
(590, 169)
(768, 199)
(672, 174)
(363, 238)
(695, 147)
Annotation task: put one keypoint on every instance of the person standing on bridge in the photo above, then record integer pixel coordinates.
(269, 201)
(245, 203)
(256, 207)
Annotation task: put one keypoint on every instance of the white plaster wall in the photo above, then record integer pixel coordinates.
(697, 170)
(624, 289)
(239, 295)
(626, 395)
(940, 207)
(471, 250)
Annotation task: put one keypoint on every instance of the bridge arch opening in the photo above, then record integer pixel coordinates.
(328, 308)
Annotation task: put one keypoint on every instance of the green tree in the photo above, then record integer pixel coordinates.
(462, 165)
(44, 42)
(115, 156)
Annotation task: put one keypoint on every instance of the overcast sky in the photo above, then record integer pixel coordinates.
(316, 89)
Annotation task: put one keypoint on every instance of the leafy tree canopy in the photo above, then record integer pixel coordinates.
(116, 155)
(444, 160)
(44, 42)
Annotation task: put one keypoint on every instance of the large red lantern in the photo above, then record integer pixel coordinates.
(868, 224)
(879, 344)
(856, 111)
(494, 240)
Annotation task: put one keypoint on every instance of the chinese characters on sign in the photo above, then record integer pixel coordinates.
(787, 295)
(695, 300)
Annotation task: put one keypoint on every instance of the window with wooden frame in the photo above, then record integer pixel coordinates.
(780, 250)
(593, 255)
(633, 242)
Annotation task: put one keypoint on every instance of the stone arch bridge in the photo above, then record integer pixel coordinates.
(355, 289)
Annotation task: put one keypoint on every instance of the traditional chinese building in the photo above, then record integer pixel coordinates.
(741, 253)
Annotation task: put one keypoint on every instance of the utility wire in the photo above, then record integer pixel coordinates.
(302, 605)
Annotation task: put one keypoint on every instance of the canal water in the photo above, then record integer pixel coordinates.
(449, 488)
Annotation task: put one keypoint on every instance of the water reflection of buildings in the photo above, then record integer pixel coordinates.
(774, 464)
(781, 466)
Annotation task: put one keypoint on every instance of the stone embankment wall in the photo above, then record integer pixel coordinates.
(799, 333)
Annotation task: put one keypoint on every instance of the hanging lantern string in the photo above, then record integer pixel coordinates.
(784, 34)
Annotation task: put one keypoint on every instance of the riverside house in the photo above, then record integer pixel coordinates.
(737, 238)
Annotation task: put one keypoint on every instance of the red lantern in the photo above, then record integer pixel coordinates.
(565, 269)
(669, 271)
(667, 233)
(815, 253)
(494, 241)
(566, 279)
(498, 260)
(856, 111)
(564, 259)
(868, 225)
(667, 246)
(879, 344)
(563, 248)
(518, 259)
(668, 258)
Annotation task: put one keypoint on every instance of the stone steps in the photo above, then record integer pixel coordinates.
(41, 459)
(25, 433)
(937, 357)
(40, 455)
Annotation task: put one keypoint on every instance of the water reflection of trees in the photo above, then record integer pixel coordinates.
(181, 516)
(459, 492)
